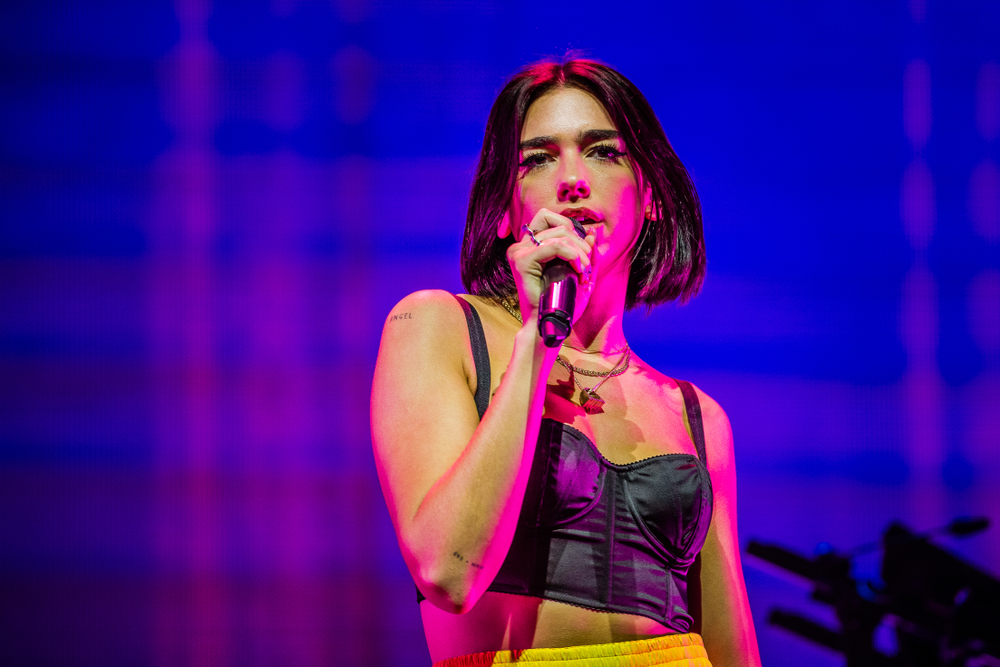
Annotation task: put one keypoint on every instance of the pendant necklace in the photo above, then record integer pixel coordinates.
(590, 401)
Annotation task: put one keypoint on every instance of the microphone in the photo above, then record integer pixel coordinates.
(555, 307)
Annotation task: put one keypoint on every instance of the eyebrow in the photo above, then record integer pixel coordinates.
(584, 138)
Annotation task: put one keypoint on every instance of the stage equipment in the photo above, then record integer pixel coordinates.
(930, 609)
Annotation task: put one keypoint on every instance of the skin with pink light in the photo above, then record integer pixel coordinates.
(454, 484)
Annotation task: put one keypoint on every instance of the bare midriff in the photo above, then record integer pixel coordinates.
(501, 621)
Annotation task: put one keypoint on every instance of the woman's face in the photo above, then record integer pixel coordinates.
(573, 162)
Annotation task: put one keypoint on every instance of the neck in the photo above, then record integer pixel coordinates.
(599, 328)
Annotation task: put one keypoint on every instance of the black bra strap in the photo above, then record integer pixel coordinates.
(693, 409)
(480, 356)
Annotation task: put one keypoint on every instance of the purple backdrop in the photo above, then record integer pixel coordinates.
(208, 208)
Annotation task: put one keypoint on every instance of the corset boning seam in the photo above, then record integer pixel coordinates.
(605, 467)
(551, 520)
(661, 549)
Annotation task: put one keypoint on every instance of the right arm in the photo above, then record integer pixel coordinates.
(453, 484)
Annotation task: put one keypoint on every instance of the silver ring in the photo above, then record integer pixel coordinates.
(531, 234)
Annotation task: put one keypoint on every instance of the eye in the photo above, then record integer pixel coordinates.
(534, 160)
(607, 152)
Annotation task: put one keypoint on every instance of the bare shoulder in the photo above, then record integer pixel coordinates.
(424, 340)
(718, 432)
(714, 419)
(426, 308)
(430, 320)
(715, 422)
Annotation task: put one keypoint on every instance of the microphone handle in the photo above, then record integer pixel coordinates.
(555, 308)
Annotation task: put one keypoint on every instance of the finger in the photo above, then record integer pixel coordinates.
(535, 234)
(539, 222)
(566, 233)
(553, 219)
(548, 219)
(561, 248)
(530, 235)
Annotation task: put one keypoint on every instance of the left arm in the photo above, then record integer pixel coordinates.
(727, 626)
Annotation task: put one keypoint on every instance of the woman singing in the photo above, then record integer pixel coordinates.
(563, 505)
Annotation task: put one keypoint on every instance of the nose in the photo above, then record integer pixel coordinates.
(573, 183)
(573, 188)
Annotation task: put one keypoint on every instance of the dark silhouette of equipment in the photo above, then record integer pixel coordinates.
(940, 610)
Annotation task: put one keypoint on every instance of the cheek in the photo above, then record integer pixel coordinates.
(528, 197)
(627, 194)
(531, 187)
(517, 199)
(629, 215)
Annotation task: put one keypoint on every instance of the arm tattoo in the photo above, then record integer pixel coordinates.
(462, 558)
(401, 316)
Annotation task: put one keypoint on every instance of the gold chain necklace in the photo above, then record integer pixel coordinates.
(583, 351)
(614, 372)
(510, 309)
(590, 401)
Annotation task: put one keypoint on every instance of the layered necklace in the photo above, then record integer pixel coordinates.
(590, 401)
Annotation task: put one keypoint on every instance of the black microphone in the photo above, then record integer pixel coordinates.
(555, 307)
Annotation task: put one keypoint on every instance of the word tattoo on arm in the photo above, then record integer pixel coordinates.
(462, 559)
(401, 316)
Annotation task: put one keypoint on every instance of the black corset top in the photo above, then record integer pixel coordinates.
(609, 537)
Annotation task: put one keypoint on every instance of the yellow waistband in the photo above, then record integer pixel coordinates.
(670, 650)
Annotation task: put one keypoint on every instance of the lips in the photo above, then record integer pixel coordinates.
(582, 215)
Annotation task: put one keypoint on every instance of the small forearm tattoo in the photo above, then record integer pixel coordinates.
(401, 316)
(462, 558)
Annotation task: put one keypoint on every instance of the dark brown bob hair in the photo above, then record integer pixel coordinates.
(669, 259)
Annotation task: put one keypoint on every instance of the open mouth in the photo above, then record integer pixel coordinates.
(583, 217)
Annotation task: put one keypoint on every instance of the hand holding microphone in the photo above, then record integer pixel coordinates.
(558, 299)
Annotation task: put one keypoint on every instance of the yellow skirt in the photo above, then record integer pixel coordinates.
(667, 651)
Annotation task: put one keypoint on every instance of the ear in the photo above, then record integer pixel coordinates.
(503, 227)
(651, 211)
